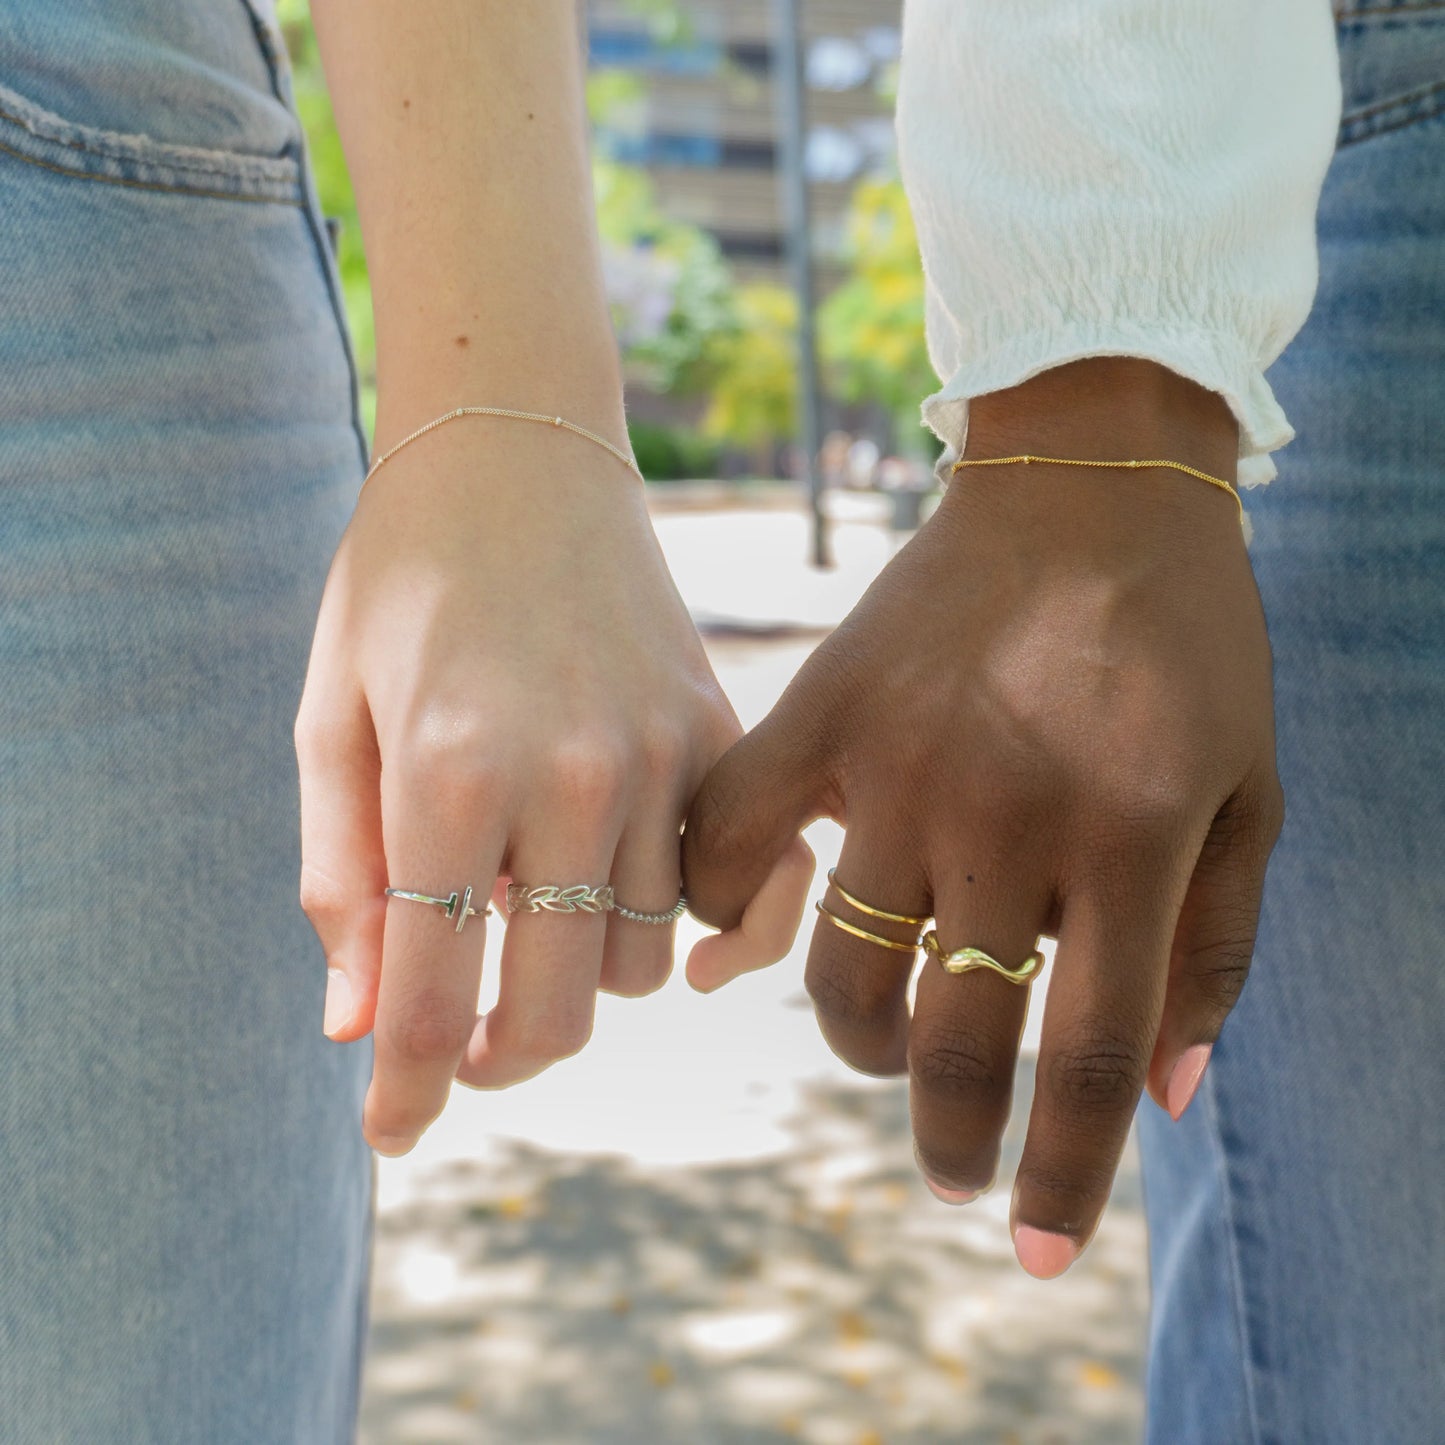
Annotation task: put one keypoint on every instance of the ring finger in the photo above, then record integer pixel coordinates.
(637, 956)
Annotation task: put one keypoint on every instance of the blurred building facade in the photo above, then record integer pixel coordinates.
(704, 123)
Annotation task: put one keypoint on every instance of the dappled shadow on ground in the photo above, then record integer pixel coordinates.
(823, 1296)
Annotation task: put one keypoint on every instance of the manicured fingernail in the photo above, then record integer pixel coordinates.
(950, 1196)
(338, 1001)
(1186, 1076)
(1044, 1254)
(391, 1145)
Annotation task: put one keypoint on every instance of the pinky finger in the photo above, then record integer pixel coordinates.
(1213, 945)
(767, 929)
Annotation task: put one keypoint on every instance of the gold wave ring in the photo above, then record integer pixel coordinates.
(962, 960)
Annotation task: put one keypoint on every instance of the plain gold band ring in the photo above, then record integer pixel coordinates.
(870, 911)
(863, 932)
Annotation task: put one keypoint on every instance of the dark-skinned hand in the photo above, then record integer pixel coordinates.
(1050, 716)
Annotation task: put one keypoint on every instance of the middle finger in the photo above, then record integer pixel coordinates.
(964, 1040)
(551, 963)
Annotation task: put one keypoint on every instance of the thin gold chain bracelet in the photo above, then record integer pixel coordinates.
(546, 418)
(1075, 462)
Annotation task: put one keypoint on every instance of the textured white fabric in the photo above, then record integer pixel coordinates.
(1130, 177)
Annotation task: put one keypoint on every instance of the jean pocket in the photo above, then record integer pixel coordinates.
(29, 132)
(1392, 65)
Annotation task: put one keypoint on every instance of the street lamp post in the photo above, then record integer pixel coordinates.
(794, 188)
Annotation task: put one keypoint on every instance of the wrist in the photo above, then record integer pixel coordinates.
(589, 396)
(1107, 408)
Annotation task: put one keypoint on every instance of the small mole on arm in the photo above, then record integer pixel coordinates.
(464, 340)
(405, 103)
(970, 877)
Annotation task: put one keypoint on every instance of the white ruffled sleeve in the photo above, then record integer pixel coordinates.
(1128, 177)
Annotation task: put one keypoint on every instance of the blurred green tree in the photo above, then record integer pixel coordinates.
(333, 187)
(754, 372)
(669, 287)
(870, 330)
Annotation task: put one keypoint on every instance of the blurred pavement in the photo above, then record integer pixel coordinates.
(705, 1229)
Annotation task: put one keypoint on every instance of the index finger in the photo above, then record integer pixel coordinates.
(426, 1005)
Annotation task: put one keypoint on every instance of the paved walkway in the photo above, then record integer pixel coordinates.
(705, 1229)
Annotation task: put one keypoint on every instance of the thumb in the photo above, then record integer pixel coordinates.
(752, 804)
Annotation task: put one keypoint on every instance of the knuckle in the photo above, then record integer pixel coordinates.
(955, 1061)
(662, 750)
(430, 1030)
(716, 825)
(588, 775)
(841, 997)
(947, 1164)
(459, 761)
(323, 900)
(309, 735)
(1218, 972)
(1098, 1076)
(1063, 1194)
(545, 1040)
(638, 982)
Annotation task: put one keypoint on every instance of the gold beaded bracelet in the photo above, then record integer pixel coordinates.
(537, 416)
(1073, 462)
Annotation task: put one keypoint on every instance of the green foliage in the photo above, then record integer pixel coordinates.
(754, 364)
(682, 323)
(666, 19)
(679, 269)
(333, 186)
(670, 288)
(669, 453)
(870, 330)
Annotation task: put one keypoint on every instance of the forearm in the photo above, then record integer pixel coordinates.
(464, 128)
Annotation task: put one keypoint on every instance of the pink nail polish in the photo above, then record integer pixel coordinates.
(1185, 1079)
(338, 1001)
(950, 1196)
(1043, 1254)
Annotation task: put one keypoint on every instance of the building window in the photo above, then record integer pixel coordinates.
(755, 56)
(751, 245)
(637, 50)
(754, 155)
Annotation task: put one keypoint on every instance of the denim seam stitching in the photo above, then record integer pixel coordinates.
(1409, 97)
(1368, 11)
(1410, 109)
(1236, 1275)
(75, 173)
(164, 157)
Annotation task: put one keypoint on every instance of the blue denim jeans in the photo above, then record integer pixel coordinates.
(1297, 1211)
(185, 1195)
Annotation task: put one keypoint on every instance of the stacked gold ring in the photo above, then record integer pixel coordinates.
(956, 961)
(883, 913)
